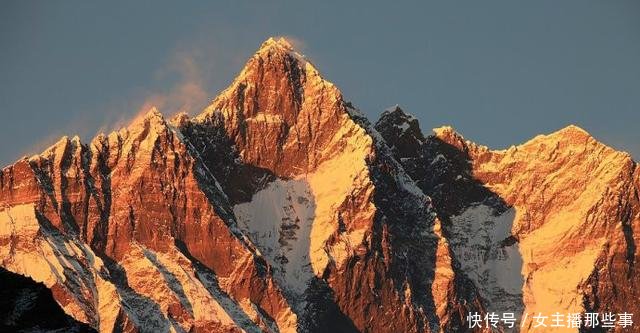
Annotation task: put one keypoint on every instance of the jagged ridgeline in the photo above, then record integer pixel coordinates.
(281, 208)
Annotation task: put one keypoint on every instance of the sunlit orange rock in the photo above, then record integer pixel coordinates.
(280, 208)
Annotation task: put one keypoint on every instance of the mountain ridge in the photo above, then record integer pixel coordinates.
(282, 208)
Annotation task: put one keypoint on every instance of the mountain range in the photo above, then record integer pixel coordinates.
(282, 208)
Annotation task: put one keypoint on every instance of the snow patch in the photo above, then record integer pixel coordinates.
(495, 266)
(278, 220)
(402, 127)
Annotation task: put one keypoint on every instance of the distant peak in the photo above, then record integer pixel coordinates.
(148, 114)
(280, 42)
(59, 147)
(393, 109)
(571, 135)
(179, 119)
(281, 46)
(449, 135)
(397, 111)
(149, 120)
(153, 113)
(274, 64)
(401, 130)
(572, 131)
(446, 131)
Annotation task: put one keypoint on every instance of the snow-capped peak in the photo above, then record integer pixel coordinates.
(280, 42)
(401, 131)
(282, 46)
(153, 113)
(397, 111)
(571, 132)
(263, 217)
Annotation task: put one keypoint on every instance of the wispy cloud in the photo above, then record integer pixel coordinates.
(297, 43)
(79, 126)
(187, 81)
(192, 75)
(184, 84)
(190, 70)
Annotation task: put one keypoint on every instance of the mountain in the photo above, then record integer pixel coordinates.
(24, 301)
(281, 208)
(549, 225)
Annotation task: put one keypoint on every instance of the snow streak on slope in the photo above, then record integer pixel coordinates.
(291, 220)
(134, 191)
(280, 208)
(186, 298)
(572, 204)
(479, 240)
(278, 220)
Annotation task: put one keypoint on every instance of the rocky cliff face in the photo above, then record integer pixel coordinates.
(280, 208)
(324, 202)
(546, 226)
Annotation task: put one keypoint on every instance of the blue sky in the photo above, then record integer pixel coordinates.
(499, 72)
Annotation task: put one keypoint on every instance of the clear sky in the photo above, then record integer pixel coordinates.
(499, 72)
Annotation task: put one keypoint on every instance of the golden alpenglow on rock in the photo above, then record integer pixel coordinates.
(281, 208)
